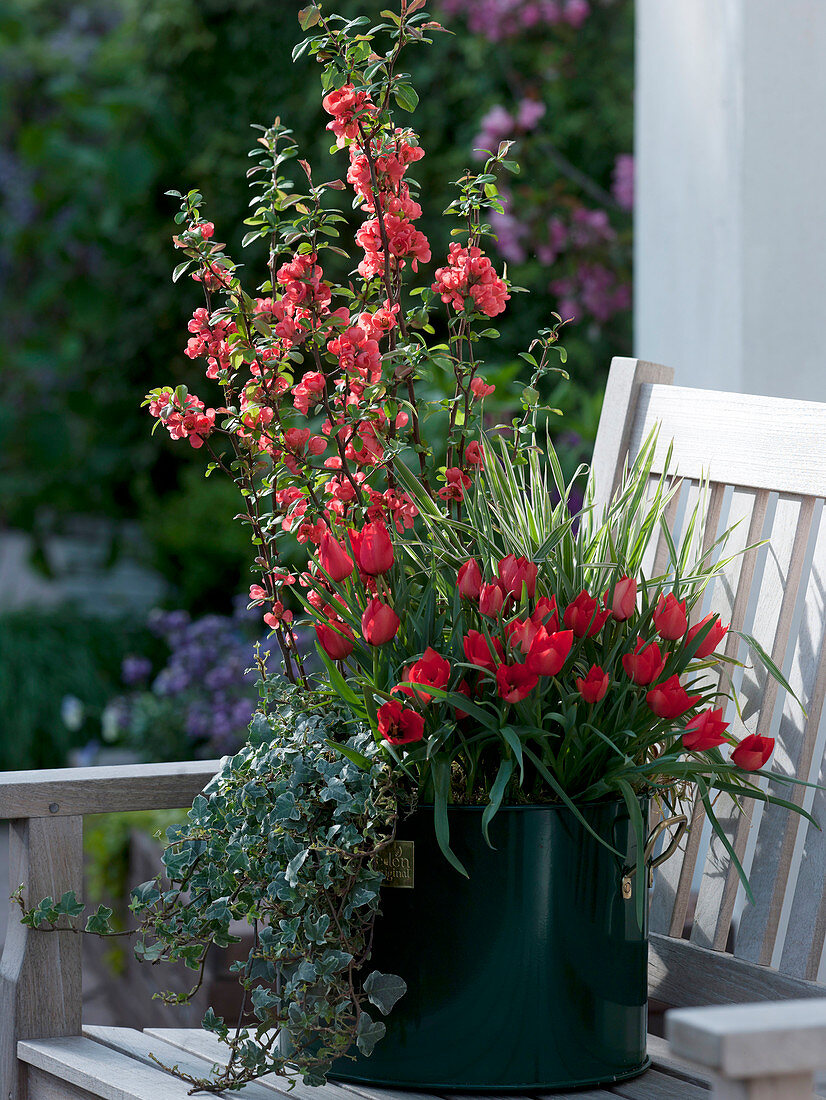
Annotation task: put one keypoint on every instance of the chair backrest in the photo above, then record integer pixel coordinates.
(766, 461)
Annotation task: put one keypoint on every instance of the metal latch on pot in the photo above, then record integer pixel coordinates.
(680, 823)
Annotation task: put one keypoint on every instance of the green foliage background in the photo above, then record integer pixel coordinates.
(103, 107)
(45, 656)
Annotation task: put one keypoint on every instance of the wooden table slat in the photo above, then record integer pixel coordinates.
(115, 1064)
(104, 1073)
(141, 1046)
(657, 1085)
(205, 1047)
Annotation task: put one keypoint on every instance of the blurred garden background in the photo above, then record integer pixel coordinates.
(123, 622)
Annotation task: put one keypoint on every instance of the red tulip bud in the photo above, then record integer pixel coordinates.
(712, 640)
(336, 639)
(584, 617)
(548, 652)
(481, 652)
(469, 580)
(622, 600)
(333, 558)
(379, 623)
(753, 752)
(514, 573)
(645, 664)
(670, 617)
(593, 687)
(491, 598)
(374, 549)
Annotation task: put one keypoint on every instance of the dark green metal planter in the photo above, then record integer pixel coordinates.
(531, 974)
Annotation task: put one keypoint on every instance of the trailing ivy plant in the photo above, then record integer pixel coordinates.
(285, 838)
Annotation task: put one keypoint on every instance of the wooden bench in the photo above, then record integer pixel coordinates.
(767, 462)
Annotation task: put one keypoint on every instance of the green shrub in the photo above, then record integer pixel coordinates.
(45, 657)
(104, 107)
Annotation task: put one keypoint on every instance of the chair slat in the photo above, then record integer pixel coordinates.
(771, 868)
(789, 529)
(748, 510)
(803, 945)
(614, 432)
(736, 438)
(681, 974)
(656, 556)
(745, 513)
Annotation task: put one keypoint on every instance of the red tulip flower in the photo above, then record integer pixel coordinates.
(514, 682)
(491, 599)
(399, 725)
(482, 652)
(546, 614)
(514, 573)
(670, 699)
(379, 623)
(622, 599)
(336, 639)
(712, 639)
(584, 617)
(374, 550)
(753, 752)
(521, 632)
(670, 617)
(469, 580)
(645, 664)
(705, 731)
(548, 652)
(334, 558)
(593, 687)
(431, 670)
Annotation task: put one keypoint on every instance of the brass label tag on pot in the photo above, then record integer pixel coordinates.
(396, 864)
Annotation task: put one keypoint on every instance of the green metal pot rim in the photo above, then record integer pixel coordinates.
(508, 807)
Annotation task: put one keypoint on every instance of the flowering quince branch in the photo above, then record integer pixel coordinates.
(495, 646)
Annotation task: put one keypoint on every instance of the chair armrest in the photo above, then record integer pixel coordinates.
(753, 1047)
(69, 792)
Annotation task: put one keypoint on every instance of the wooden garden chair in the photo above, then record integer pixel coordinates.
(766, 459)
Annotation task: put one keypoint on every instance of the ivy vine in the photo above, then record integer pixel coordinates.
(284, 837)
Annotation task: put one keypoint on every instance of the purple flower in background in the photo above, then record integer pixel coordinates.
(622, 187)
(589, 227)
(135, 670)
(201, 701)
(498, 19)
(529, 113)
(576, 12)
(601, 295)
(567, 305)
(509, 231)
(497, 125)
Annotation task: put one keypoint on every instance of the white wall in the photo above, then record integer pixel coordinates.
(730, 217)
